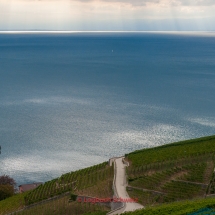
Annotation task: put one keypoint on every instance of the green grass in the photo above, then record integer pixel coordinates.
(177, 208)
(11, 204)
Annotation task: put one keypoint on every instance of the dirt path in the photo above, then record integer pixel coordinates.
(120, 184)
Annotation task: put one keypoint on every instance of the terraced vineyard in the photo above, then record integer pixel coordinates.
(195, 207)
(157, 176)
(95, 181)
(63, 207)
(172, 172)
(173, 151)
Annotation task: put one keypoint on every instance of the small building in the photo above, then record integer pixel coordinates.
(26, 187)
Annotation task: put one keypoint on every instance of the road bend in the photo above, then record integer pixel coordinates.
(120, 184)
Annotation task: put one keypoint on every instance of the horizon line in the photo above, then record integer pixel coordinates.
(69, 31)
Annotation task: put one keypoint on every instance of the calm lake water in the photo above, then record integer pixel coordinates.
(68, 101)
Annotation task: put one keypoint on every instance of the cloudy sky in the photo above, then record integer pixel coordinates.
(107, 15)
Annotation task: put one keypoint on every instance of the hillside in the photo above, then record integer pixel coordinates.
(172, 179)
(192, 207)
(173, 172)
(95, 181)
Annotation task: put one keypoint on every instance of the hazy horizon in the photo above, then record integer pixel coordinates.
(108, 15)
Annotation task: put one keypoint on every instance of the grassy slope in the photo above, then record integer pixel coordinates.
(172, 151)
(12, 204)
(172, 172)
(63, 207)
(179, 208)
(92, 181)
(163, 157)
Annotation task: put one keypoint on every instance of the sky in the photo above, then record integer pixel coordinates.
(107, 15)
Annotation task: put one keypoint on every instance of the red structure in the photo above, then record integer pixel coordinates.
(25, 187)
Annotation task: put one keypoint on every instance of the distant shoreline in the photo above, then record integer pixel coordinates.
(209, 33)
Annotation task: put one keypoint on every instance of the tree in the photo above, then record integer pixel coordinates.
(6, 191)
(5, 179)
(7, 186)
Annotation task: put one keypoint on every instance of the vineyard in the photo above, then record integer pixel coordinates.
(95, 181)
(162, 178)
(172, 172)
(63, 207)
(173, 151)
(195, 207)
